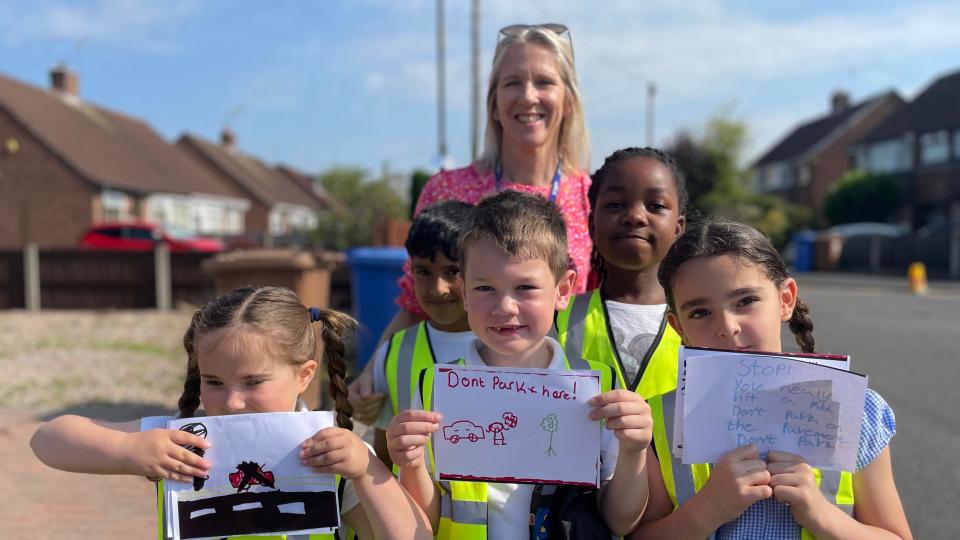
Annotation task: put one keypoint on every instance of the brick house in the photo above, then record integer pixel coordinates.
(803, 165)
(284, 203)
(920, 145)
(66, 164)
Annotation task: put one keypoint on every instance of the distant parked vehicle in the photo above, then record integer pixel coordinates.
(143, 236)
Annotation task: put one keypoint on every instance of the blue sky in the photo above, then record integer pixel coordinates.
(319, 83)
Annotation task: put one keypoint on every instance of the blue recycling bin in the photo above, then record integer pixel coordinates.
(803, 254)
(373, 289)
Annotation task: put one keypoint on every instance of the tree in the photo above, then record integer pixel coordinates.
(716, 181)
(862, 196)
(369, 201)
(417, 180)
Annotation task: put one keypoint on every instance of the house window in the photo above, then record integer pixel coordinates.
(889, 156)
(775, 176)
(234, 221)
(934, 148)
(116, 205)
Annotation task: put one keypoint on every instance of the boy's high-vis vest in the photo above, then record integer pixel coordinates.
(463, 505)
(343, 533)
(409, 353)
(583, 329)
(684, 481)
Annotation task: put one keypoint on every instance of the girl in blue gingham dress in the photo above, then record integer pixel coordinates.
(728, 288)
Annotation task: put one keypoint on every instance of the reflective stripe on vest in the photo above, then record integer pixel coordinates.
(684, 481)
(463, 505)
(409, 353)
(343, 533)
(583, 331)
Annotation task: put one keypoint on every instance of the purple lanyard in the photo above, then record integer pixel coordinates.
(554, 187)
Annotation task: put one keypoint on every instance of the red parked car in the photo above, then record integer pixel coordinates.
(141, 236)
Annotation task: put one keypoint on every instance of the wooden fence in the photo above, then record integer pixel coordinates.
(78, 279)
(81, 279)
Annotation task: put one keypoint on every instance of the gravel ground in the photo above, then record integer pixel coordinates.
(65, 360)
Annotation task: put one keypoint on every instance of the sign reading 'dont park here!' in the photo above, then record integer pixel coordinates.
(518, 425)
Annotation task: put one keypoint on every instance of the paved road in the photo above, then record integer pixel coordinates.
(910, 348)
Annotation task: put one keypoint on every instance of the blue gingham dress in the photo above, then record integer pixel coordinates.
(770, 519)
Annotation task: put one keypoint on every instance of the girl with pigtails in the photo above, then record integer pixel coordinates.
(250, 350)
(727, 288)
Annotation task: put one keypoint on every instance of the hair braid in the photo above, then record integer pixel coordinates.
(335, 327)
(801, 324)
(190, 398)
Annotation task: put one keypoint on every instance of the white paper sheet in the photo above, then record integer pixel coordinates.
(841, 362)
(516, 425)
(249, 452)
(777, 403)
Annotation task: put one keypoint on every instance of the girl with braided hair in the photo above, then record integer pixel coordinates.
(637, 204)
(728, 288)
(251, 350)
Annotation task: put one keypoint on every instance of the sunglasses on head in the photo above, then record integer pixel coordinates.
(557, 28)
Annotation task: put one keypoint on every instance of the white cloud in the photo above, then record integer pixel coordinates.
(139, 24)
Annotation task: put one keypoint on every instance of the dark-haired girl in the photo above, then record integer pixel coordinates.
(251, 350)
(728, 288)
(637, 200)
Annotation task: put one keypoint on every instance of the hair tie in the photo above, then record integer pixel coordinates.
(314, 314)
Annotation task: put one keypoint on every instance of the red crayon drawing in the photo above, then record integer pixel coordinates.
(462, 429)
(497, 429)
(250, 473)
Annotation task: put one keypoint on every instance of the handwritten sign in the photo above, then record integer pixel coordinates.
(777, 403)
(257, 484)
(841, 362)
(516, 425)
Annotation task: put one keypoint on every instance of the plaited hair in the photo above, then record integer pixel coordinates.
(524, 225)
(573, 145)
(278, 313)
(715, 237)
(598, 265)
(436, 229)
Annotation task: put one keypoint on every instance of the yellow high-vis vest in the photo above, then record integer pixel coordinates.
(684, 481)
(343, 533)
(463, 505)
(583, 329)
(409, 353)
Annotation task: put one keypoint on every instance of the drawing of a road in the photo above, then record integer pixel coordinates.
(259, 512)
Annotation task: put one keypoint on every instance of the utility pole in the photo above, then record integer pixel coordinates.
(651, 94)
(475, 95)
(441, 85)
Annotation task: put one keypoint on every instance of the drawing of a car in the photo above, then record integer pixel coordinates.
(462, 429)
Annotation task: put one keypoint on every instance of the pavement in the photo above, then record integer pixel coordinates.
(40, 502)
(875, 283)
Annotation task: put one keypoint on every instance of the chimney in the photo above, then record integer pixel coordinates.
(65, 81)
(839, 102)
(227, 138)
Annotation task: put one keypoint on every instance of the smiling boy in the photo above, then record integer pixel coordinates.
(515, 275)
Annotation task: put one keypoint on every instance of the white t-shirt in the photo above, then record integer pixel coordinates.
(634, 328)
(350, 498)
(508, 505)
(446, 346)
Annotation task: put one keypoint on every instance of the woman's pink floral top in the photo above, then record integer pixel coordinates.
(469, 185)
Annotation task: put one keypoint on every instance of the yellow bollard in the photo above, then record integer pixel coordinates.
(917, 277)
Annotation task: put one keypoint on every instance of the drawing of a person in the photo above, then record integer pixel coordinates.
(497, 429)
